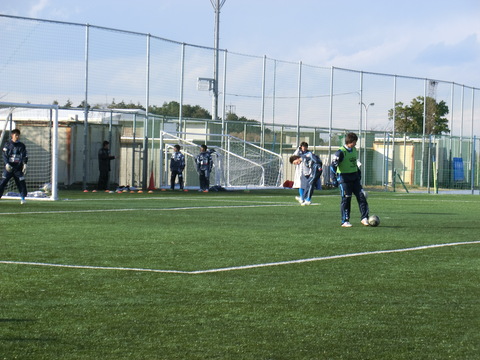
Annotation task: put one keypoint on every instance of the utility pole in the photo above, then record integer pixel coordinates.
(217, 5)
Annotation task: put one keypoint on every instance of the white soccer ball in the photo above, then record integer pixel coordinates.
(373, 220)
(47, 188)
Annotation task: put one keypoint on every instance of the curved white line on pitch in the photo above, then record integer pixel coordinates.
(244, 267)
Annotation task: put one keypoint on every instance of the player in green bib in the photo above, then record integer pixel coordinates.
(347, 176)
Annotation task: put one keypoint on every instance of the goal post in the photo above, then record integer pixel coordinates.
(238, 164)
(38, 125)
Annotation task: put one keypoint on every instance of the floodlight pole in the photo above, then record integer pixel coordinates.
(217, 5)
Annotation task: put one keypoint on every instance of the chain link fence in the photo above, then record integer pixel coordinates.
(92, 68)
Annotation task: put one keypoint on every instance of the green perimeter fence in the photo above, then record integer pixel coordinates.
(393, 162)
(95, 68)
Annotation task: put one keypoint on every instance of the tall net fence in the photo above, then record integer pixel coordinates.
(96, 69)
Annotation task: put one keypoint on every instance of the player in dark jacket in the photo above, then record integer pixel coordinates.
(104, 159)
(204, 167)
(15, 158)
(346, 174)
(177, 165)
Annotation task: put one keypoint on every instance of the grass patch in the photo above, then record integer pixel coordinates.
(418, 304)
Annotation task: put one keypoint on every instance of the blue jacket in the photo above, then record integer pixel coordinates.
(177, 162)
(15, 154)
(204, 161)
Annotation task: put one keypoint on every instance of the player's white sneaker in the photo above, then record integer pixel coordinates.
(365, 222)
(22, 201)
(346, 224)
(306, 202)
(299, 199)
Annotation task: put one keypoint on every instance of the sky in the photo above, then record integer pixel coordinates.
(435, 39)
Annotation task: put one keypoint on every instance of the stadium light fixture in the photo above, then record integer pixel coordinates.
(366, 113)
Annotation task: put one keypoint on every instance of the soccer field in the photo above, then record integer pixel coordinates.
(239, 275)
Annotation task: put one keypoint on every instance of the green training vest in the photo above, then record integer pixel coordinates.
(349, 162)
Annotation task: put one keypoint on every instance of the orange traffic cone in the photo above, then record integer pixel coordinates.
(151, 185)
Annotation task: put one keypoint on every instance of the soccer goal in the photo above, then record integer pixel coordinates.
(38, 125)
(238, 164)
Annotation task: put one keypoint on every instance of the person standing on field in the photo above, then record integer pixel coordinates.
(204, 167)
(177, 165)
(346, 175)
(104, 159)
(299, 180)
(15, 158)
(311, 168)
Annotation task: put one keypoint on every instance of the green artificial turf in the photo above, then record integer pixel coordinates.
(417, 304)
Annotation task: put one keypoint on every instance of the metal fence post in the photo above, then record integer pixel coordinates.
(182, 78)
(299, 96)
(145, 128)
(393, 130)
(262, 112)
(473, 144)
(361, 146)
(224, 106)
(85, 124)
(330, 120)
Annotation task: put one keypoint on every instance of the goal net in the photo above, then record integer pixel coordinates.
(237, 164)
(38, 125)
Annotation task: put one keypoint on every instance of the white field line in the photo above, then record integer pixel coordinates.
(195, 198)
(244, 267)
(150, 209)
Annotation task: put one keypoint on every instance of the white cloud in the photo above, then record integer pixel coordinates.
(37, 8)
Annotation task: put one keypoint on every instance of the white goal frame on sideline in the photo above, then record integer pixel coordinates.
(54, 150)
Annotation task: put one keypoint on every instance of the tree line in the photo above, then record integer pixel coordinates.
(408, 118)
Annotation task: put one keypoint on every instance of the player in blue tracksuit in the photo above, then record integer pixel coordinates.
(346, 174)
(311, 168)
(204, 167)
(15, 158)
(177, 165)
(299, 180)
